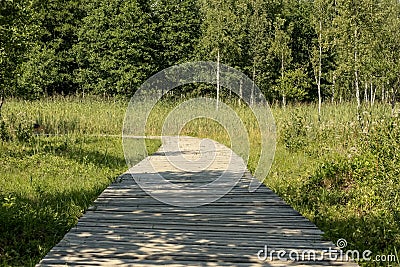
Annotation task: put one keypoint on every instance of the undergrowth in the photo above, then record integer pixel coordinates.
(343, 173)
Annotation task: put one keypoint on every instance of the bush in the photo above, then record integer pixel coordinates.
(294, 133)
(5, 135)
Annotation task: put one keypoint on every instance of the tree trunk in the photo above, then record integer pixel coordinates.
(1, 100)
(240, 91)
(356, 71)
(394, 95)
(252, 86)
(373, 93)
(357, 89)
(383, 93)
(283, 75)
(333, 88)
(319, 71)
(366, 92)
(1, 104)
(217, 80)
(393, 100)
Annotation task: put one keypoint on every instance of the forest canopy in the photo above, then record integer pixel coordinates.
(295, 50)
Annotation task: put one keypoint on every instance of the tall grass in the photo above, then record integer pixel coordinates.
(67, 115)
(343, 172)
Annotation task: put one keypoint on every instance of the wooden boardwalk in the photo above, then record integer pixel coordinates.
(127, 227)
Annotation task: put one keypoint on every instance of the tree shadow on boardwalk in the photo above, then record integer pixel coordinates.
(126, 226)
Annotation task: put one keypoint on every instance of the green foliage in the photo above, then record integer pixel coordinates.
(294, 133)
(294, 84)
(91, 47)
(49, 64)
(220, 31)
(282, 53)
(177, 26)
(110, 47)
(16, 35)
(114, 53)
(258, 23)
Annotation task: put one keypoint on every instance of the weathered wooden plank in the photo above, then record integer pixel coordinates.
(151, 201)
(111, 240)
(241, 209)
(215, 224)
(78, 261)
(194, 255)
(193, 213)
(199, 217)
(212, 228)
(268, 239)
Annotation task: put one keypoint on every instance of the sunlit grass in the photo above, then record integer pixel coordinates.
(342, 172)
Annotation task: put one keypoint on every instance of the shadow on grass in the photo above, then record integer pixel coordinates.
(31, 227)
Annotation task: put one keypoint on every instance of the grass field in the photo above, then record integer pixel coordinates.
(341, 172)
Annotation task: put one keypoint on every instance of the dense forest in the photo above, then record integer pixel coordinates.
(295, 50)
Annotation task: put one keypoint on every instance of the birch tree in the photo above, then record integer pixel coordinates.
(321, 21)
(281, 50)
(390, 49)
(355, 41)
(220, 38)
(259, 36)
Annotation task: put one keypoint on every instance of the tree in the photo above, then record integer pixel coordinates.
(391, 48)
(295, 83)
(16, 35)
(222, 33)
(50, 63)
(177, 24)
(355, 27)
(115, 52)
(281, 50)
(322, 21)
(259, 27)
(371, 65)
